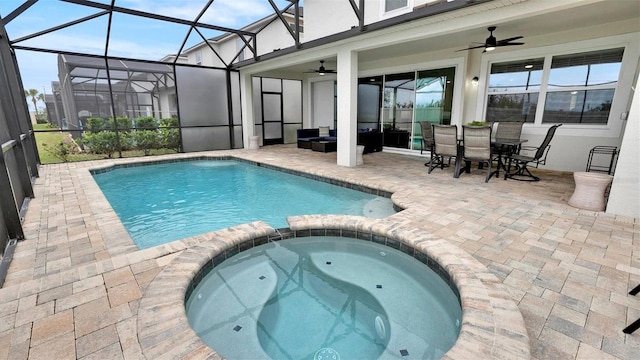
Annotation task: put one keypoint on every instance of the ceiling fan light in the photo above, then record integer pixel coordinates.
(528, 66)
(489, 48)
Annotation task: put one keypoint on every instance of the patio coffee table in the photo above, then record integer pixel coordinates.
(324, 146)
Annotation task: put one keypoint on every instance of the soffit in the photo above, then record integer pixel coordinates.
(457, 30)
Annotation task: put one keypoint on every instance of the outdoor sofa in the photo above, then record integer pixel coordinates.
(371, 139)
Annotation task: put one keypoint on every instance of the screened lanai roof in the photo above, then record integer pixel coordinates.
(164, 30)
(140, 29)
(90, 73)
(83, 66)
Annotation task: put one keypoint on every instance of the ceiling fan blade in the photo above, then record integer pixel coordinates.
(511, 44)
(509, 39)
(472, 47)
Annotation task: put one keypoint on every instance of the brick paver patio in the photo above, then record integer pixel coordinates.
(76, 282)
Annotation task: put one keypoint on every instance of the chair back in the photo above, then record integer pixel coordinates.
(427, 133)
(477, 142)
(546, 141)
(509, 130)
(446, 139)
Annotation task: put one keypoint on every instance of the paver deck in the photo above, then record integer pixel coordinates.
(76, 282)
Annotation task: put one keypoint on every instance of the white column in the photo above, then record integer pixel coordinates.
(624, 198)
(246, 101)
(347, 88)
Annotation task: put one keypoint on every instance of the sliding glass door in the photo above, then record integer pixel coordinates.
(434, 95)
(397, 109)
(406, 100)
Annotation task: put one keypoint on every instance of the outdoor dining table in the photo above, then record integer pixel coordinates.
(506, 145)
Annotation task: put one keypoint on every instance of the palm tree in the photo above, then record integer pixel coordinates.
(33, 93)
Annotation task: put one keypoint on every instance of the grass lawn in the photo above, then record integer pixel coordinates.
(45, 140)
(48, 140)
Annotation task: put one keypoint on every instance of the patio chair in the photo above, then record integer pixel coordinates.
(445, 138)
(477, 147)
(521, 162)
(427, 139)
(508, 130)
(636, 324)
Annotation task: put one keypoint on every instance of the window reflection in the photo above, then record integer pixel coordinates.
(390, 5)
(580, 88)
(588, 83)
(514, 90)
(399, 102)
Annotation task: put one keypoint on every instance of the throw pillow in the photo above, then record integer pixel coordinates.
(324, 131)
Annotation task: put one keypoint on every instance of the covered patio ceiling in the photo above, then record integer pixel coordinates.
(535, 29)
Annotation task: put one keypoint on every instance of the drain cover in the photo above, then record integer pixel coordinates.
(326, 354)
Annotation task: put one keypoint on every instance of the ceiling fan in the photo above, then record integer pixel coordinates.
(321, 70)
(491, 43)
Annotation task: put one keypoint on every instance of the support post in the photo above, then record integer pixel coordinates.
(347, 88)
(246, 101)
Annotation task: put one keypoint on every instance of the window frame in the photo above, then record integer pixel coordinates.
(526, 91)
(395, 12)
(620, 104)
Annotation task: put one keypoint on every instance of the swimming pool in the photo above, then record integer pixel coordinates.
(324, 297)
(169, 201)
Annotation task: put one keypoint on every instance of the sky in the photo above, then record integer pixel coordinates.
(130, 37)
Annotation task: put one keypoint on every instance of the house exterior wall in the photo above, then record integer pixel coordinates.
(572, 142)
(273, 36)
(624, 198)
(316, 13)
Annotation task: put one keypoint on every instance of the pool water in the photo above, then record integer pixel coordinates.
(324, 298)
(170, 201)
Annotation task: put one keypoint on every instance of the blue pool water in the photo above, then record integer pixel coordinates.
(171, 201)
(324, 298)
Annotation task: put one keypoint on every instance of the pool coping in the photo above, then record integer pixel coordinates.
(307, 175)
(119, 240)
(492, 325)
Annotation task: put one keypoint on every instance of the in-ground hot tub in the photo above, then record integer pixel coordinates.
(491, 327)
(320, 296)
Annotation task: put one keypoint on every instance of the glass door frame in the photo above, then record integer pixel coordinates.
(459, 86)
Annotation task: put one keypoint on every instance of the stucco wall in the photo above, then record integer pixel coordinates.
(624, 198)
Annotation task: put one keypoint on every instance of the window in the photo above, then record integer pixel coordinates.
(581, 87)
(293, 27)
(199, 57)
(571, 89)
(514, 90)
(390, 5)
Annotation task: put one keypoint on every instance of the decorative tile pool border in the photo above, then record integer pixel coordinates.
(348, 185)
(492, 326)
(287, 233)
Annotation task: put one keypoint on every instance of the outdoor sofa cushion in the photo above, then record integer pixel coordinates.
(307, 136)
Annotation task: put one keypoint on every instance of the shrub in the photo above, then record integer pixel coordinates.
(146, 140)
(62, 150)
(95, 124)
(104, 142)
(169, 135)
(124, 124)
(146, 123)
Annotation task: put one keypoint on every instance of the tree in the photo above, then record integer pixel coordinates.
(34, 94)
